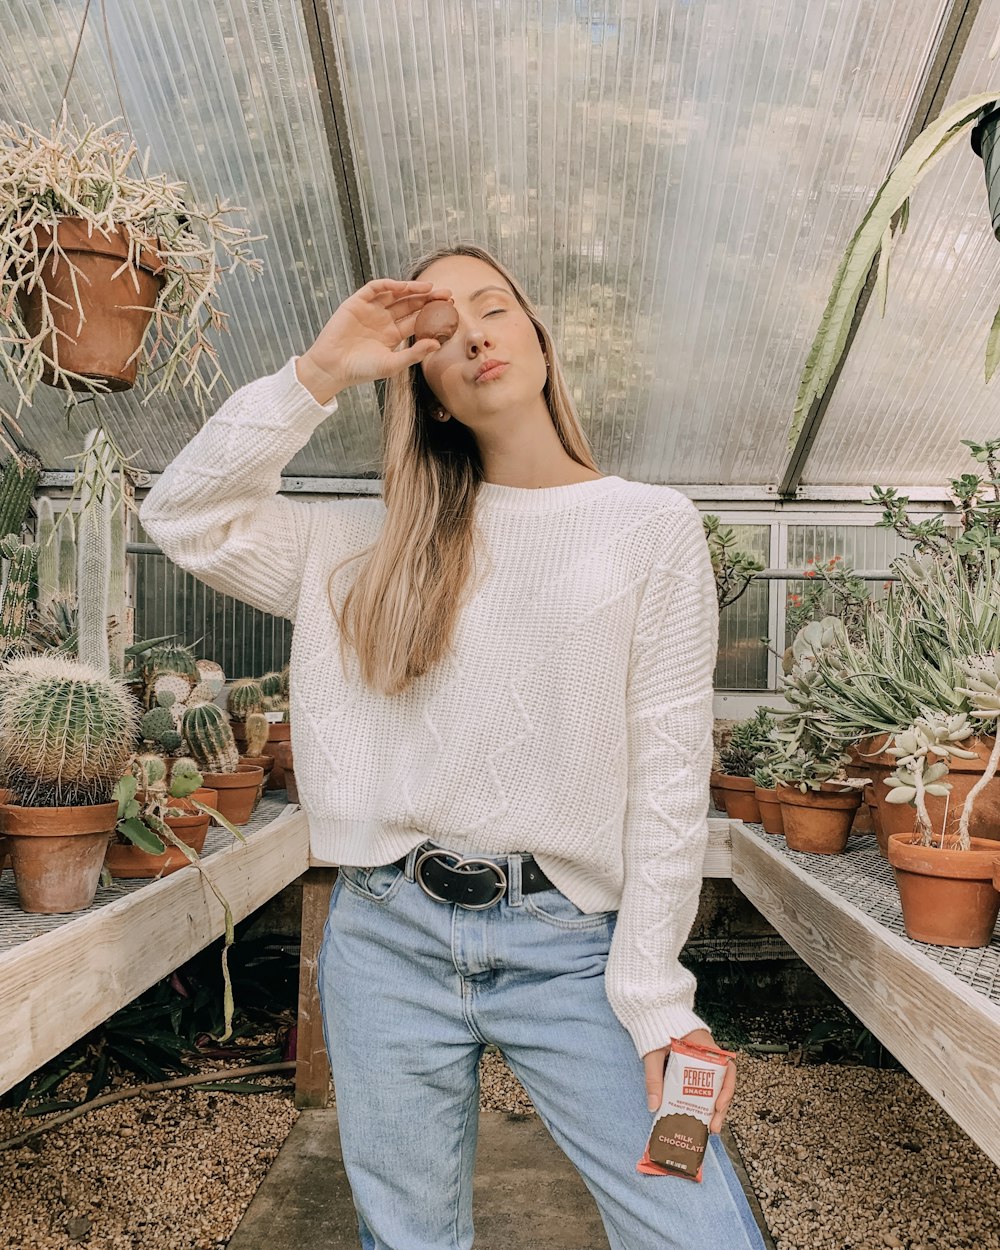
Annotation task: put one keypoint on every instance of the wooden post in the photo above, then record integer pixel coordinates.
(312, 1071)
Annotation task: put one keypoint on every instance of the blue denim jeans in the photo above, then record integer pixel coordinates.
(412, 990)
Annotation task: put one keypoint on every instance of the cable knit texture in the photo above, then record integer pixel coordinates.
(573, 718)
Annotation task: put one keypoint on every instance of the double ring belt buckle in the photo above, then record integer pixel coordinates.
(459, 865)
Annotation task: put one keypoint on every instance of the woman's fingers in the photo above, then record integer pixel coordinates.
(411, 303)
(387, 291)
(412, 355)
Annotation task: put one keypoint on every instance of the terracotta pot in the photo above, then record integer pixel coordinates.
(284, 751)
(237, 791)
(947, 895)
(105, 347)
(818, 822)
(770, 810)
(739, 797)
(276, 734)
(963, 774)
(57, 853)
(869, 760)
(126, 860)
(718, 795)
(4, 856)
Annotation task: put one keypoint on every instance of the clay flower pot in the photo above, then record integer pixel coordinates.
(4, 857)
(818, 822)
(715, 788)
(237, 791)
(770, 810)
(128, 861)
(277, 732)
(740, 800)
(57, 853)
(870, 760)
(892, 818)
(105, 347)
(947, 895)
(284, 754)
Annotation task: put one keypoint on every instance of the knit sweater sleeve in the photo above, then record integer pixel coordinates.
(669, 721)
(216, 512)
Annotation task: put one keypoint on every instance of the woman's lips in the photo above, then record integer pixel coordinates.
(495, 372)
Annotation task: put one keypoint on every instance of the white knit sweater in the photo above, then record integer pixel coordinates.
(574, 719)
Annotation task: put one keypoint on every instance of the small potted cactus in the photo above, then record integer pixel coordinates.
(66, 735)
(945, 875)
(254, 742)
(160, 820)
(266, 696)
(205, 729)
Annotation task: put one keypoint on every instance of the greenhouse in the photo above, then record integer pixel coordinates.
(500, 620)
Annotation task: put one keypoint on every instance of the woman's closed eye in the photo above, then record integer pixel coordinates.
(495, 310)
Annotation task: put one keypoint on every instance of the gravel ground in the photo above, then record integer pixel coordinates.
(842, 1157)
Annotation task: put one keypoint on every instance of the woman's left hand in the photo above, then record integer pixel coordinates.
(656, 1061)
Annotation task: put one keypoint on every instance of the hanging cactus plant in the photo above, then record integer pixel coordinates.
(67, 732)
(209, 738)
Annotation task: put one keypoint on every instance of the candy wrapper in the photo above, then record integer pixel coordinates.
(691, 1085)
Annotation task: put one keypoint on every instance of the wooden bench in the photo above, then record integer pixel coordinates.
(61, 976)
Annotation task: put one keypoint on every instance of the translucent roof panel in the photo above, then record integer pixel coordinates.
(913, 383)
(224, 97)
(673, 184)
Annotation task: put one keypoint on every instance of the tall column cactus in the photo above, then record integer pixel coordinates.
(48, 555)
(67, 557)
(94, 555)
(18, 480)
(20, 559)
(117, 624)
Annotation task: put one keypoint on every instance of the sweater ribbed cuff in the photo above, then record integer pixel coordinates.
(652, 1029)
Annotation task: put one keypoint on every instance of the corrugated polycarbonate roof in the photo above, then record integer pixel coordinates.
(673, 182)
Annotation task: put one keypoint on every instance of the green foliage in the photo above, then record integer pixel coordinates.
(66, 732)
(882, 223)
(209, 738)
(734, 569)
(805, 760)
(749, 739)
(831, 590)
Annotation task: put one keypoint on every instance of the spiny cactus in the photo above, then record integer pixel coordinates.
(48, 555)
(116, 588)
(171, 657)
(67, 557)
(275, 703)
(245, 697)
(203, 692)
(271, 684)
(257, 730)
(185, 778)
(285, 681)
(93, 579)
(18, 480)
(150, 771)
(213, 674)
(159, 725)
(166, 681)
(21, 566)
(209, 738)
(66, 732)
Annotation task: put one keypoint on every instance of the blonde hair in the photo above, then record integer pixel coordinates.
(400, 613)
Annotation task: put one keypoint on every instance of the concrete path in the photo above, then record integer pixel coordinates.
(305, 1200)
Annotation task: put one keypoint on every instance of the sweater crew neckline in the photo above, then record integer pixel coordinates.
(534, 499)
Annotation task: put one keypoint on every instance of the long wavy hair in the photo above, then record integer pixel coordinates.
(399, 614)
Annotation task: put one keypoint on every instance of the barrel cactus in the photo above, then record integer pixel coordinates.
(185, 778)
(150, 771)
(171, 657)
(209, 738)
(271, 684)
(286, 681)
(257, 730)
(245, 697)
(67, 732)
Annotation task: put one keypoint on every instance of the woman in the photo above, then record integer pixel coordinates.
(501, 682)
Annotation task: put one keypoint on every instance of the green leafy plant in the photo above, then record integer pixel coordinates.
(884, 221)
(734, 569)
(749, 738)
(805, 760)
(915, 776)
(832, 590)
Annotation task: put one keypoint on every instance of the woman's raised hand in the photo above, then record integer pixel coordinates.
(360, 342)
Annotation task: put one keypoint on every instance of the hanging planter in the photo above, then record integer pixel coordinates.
(57, 853)
(819, 821)
(946, 893)
(99, 300)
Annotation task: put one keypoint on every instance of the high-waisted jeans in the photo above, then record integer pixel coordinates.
(412, 990)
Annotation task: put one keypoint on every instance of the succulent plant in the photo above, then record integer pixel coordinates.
(150, 771)
(286, 681)
(209, 671)
(749, 739)
(67, 732)
(257, 730)
(203, 692)
(210, 739)
(245, 696)
(21, 559)
(275, 703)
(185, 778)
(914, 778)
(272, 684)
(178, 684)
(171, 657)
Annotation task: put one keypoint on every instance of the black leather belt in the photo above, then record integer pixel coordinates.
(448, 877)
